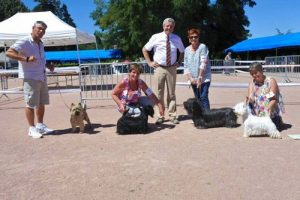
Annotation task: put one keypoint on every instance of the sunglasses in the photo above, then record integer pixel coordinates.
(193, 37)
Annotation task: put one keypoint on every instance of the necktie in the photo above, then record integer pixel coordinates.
(168, 51)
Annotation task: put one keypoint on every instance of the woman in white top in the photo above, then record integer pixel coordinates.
(197, 67)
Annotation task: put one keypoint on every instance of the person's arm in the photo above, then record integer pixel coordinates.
(203, 63)
(187, 71)
(13, 54)
(180, 59)
(153, 97)
(50, 66)
(118, 89)
(249, 99)
(190, 78)
(148, 60)
(274, 90)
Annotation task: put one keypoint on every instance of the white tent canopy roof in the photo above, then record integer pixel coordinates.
(58, 32)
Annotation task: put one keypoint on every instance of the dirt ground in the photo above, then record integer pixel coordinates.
(171, 162)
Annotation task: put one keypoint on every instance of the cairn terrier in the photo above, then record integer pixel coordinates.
(78, 114)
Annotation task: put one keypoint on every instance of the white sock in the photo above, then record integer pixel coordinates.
(38, 124)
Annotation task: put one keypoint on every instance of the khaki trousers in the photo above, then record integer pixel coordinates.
(166, 76)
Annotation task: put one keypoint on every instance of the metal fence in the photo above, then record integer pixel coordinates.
(286, 67)
(96, 80)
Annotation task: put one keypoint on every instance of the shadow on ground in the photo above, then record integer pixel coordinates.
(87, 129)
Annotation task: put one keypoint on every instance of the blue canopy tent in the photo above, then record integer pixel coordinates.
(85, 55)
(265, 43)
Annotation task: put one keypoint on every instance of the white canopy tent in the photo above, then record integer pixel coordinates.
(58, 32)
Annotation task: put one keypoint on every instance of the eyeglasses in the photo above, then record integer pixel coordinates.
(193, 37)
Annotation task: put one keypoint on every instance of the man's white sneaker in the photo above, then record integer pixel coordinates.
(33, 132)
(43, 129)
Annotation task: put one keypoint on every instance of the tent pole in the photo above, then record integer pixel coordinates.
(79, 63)
(77, 46)
(98, 54)
(5, 57)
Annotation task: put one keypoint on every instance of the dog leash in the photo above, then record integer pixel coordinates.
(63, 100)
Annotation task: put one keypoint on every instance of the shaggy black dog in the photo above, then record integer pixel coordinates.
(222, 117)
(135, 124)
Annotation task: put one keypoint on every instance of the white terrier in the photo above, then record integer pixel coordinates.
(253, 125)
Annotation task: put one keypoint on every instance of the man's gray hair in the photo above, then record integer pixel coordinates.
(40, 23)
(171, 20)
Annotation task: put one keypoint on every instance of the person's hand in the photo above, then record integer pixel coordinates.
(193, 81)
(161, 109)
(50, 66)
(31, 58)
(122, 108)
(153, 64)
(176, 64)
(199, 82)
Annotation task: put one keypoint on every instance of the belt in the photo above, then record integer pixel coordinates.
(163, 66)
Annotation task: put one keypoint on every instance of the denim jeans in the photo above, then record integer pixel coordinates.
(202, 94)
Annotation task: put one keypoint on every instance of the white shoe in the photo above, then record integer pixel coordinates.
(33, 132)
(43, 129)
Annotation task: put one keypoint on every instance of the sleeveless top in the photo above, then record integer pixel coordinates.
(261, 95)
(129, 96)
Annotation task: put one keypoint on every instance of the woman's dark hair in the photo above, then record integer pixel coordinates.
(256, 66)
(41, 23)
(136, 67)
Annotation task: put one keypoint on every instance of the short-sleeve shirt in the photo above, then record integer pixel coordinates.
(158, 43)
(31, 70)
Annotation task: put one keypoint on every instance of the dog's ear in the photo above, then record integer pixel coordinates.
(72, 105)
(83, 105)
(149, 110)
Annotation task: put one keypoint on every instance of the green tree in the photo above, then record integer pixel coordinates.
(230, 23)
(129, 24)
(55, 7)
(279, 32)
(66, 17)
(48, 5)
(10, 7)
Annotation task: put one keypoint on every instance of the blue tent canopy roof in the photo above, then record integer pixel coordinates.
(264, 43)
(84, 55)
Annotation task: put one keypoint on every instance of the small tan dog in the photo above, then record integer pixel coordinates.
(78, 114)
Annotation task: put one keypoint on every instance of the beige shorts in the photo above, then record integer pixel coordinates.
(35, 93)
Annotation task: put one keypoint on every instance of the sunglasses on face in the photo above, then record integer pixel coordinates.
(193, 37)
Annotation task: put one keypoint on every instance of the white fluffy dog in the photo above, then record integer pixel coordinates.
(253, 125)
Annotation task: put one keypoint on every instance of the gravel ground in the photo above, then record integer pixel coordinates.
(171, 162)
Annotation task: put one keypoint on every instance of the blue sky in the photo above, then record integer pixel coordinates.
(265, 17)
(268, 15)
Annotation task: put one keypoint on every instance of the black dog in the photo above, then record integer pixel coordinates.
(131, 124)
(222, 117)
